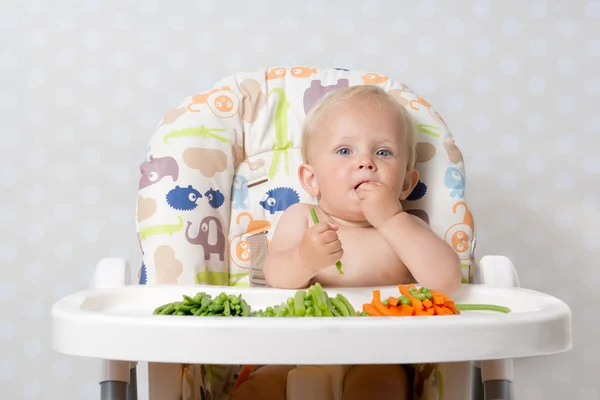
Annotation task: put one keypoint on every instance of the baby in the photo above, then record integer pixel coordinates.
(359, 151)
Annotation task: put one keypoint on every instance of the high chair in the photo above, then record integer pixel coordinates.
(220, 170)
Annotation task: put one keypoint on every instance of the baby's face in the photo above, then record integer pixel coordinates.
(355, 143)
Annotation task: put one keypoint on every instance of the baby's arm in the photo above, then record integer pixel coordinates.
(283, 267)
(431, 261)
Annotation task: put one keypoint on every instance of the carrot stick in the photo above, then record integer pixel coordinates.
(393, 301)
(371, 310)
(383, 310)
(244, 375)
(417, 304)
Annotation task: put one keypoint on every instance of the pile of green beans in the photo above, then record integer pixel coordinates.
(203, 304)
(313, 302)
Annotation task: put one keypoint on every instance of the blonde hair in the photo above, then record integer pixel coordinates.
(369, 93)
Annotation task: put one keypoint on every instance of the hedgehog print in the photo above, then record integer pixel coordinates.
(279, 199)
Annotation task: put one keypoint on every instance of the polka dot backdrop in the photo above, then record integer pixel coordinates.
(83, 84)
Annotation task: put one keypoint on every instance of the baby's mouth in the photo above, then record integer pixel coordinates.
(357, 186)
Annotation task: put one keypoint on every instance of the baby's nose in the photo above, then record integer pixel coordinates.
(366, 163)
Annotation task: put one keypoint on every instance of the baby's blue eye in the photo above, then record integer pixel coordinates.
(344, 152)
(383, 153)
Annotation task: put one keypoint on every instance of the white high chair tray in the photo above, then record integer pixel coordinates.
(118, 324)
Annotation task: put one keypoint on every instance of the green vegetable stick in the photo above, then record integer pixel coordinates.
(341, 308)
(347, 304)
(481, 307)
(299, 306)
(316, 221)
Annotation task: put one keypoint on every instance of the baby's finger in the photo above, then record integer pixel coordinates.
(321, 227)
(329, 236)
(334, 247)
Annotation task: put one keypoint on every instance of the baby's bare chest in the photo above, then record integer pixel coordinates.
(368, 260)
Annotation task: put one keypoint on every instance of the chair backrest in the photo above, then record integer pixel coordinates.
(222, 167)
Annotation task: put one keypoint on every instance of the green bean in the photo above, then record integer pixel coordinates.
(315, 219)
(233, 299)
(227, 310)
(299, 303)
(340, 307)
(245, 309)
(482, 307)
(345, 301)
(168, 309)
(157, 310)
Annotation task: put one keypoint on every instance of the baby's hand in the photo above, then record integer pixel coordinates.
(320, 246)
(378, 202)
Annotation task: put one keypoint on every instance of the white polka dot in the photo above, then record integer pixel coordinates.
(316, 45)
(566, 104)
(563, 257)
(36, 6)
(32, 348)
(567, 27)
(233, 23)
(511, 27)
(537, 9)
(91, 157)
(567, 66)
(564, 182)
(592, 48)
(122, 22)
(537, 47)
(454, 103)
(90, 195)
(33, 309)
(509, 104)
(369, 44)
(537, 85)
(34, 232)
(508, 180)
(563, 219)
(260, 8)
(7, 292)
(260, 43)
(63, 212)
(204, 7)
(9, 60)
(64, 97)
(370, 8)
(536, 124)
(63, 173)
(454, 64)
(592, 9)
(591, 86)
(177, 23)
(591, 164)
(63, 251)
(11, 137)
(426, 45)
(481, 84)
(121, 215)
(592, 124)
(36, 115)
(426, 8)
(480, 123)
(8, 253)
(149, 41)
(399, 63)
(455, 26)
(344, 25)
(424, 84)
(31, 389)
(62, 289)
(151, 6)
(8, 214)
(122, 59)
(36, 78)
(535, 163)
(92, 39)
(34, 194)
(92, 77)
(482, 9)
(564, 144)
(7, 369)
(8, 99)
(62, 369)
(92, 6)
(37, 39)
(8, 176)
(9, 22)
(591, 204)
(401, 26)
(591, 241)
(90, 232)
(479, 163)
(33, 271)
(120, 174)
(509, 143)
(65, 58)
(482, 46)
(121, 97)
(178, 60)
(7, 330)
(92, 116)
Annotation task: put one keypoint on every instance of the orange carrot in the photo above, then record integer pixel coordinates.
(427, 303)
(392, 301)
(417, 304)
(244, 375)
(406, 311)
(383, 310)
(370, 309)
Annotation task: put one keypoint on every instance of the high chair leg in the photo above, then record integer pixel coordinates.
(114, 380)
(132, 387)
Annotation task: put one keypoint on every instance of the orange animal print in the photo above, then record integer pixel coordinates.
(239, 249)
(460, 235)
(303, 72)
(276, 73)
(373, 78)
(422, 102)
(221, 101)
